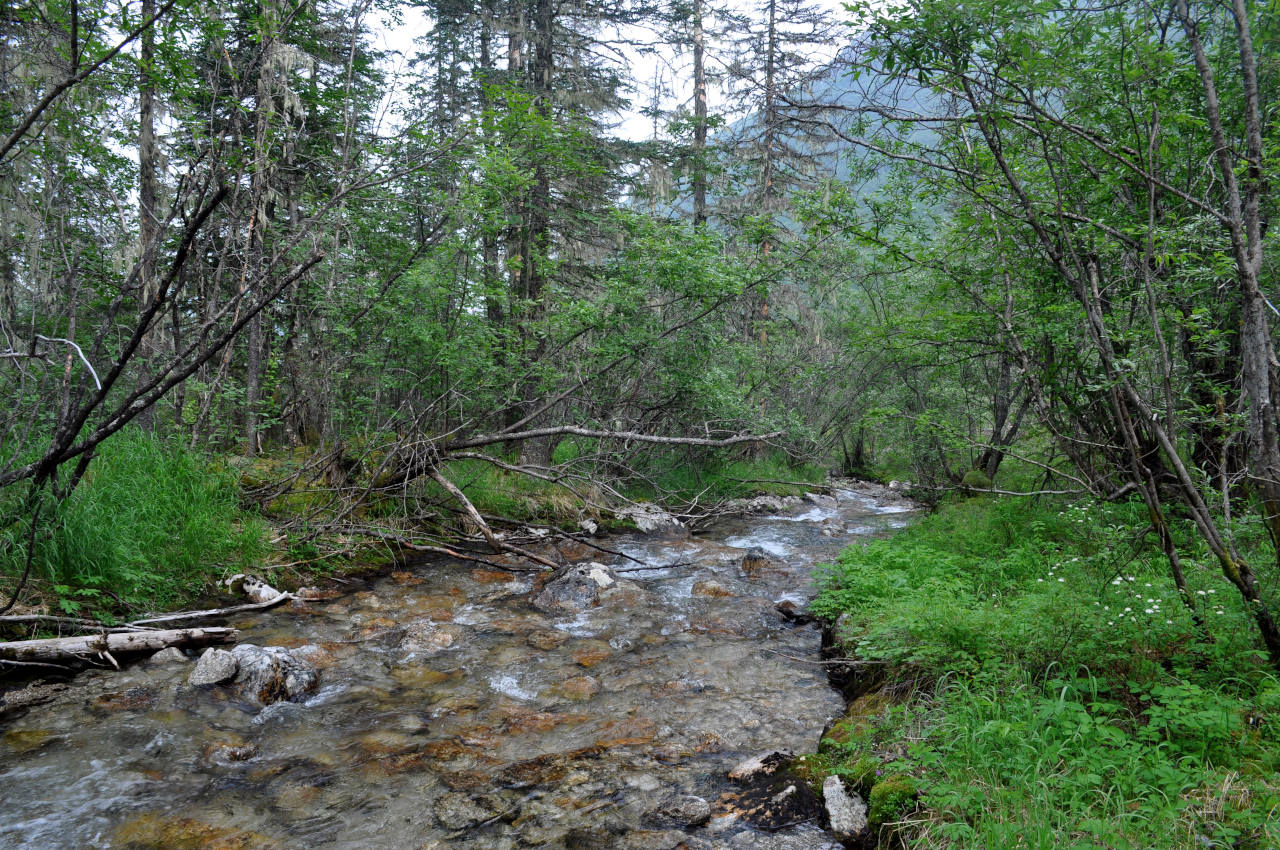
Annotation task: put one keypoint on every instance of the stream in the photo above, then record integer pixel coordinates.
(453, 713)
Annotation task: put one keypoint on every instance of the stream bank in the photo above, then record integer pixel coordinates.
(452, 712)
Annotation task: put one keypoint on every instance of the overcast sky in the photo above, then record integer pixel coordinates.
(673, 70)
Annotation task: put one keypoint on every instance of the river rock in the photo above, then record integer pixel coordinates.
(168, 655)
(214, 667)
(846, 810)
(575, 588)
(821, 500)
(761, 765)
(685, 810)
(756, 560)
(269, 674)
(793, 613)
(802, 838)
(425, 637)
(648, 517)
(456, 810)
(710, 587)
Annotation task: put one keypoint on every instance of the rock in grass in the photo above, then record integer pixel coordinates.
(214, 667)
(846, 810)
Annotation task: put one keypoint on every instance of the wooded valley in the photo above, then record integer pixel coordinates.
(273, 289)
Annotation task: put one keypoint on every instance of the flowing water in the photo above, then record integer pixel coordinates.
(452, 713)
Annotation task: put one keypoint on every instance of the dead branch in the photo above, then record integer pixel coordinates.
(263, 595)
(475, 517)
(634, 436)
(211, 613)
(38, 664)
(414, 546)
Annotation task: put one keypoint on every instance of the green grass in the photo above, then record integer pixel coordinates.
(1062, 694)
(152, 524)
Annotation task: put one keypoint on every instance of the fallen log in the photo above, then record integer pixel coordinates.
(107, 645)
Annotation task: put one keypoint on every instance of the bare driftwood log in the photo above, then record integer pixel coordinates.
(107, 645)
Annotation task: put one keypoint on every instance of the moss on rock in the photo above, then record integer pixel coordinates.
(890, 798)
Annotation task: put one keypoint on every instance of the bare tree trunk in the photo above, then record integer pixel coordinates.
(699, 120)
(148, 220)
(537, 242)
(1244, 225)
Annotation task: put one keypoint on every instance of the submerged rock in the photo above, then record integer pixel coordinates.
(772, 802)
(757, 560)
(711, 587)
(799, 839)
(580, 688)
(649, 839)
(426, 637)
(846, 810)
(685, 810)
(164, 832)
(133, 699)
(456, 810)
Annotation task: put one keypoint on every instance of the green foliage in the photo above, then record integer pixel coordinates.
(710, 479)
(151, 524)
(1074, 701)
(890, 798)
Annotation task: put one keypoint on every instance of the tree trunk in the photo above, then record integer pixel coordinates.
(699, 121)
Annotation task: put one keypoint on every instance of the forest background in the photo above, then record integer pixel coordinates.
(267, 294)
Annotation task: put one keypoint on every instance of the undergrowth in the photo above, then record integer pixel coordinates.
(1061, 692)
(151, 524)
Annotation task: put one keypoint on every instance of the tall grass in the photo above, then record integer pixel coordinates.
(151, 524)
(1064, 696)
